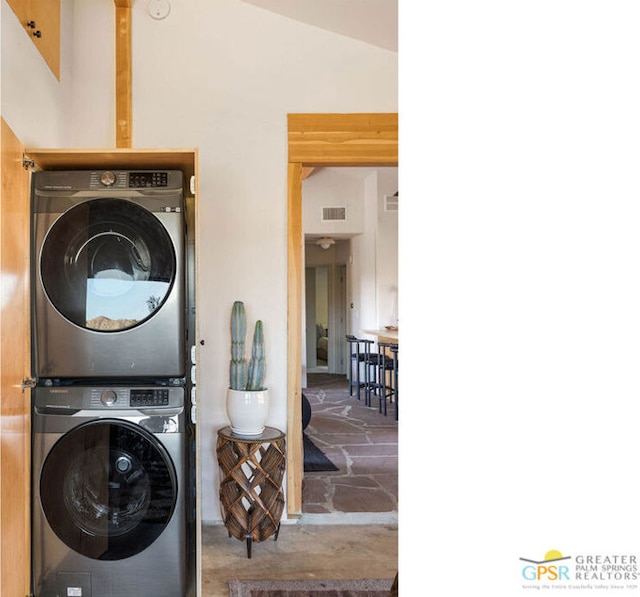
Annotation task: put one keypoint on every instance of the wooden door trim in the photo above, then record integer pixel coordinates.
(319, 140)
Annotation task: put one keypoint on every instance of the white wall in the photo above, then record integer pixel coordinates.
(334, 187)
(32, 101)
(219, 76)
(387, 252)
(91, 108)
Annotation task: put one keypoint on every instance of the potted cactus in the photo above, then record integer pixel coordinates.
(247, 398)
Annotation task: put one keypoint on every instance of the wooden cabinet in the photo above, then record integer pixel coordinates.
(41, 21)
(114, 159)
(15, 429)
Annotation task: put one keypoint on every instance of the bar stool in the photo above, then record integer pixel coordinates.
(386, 365)
(370, 360)
(356, 356)
(394, 351)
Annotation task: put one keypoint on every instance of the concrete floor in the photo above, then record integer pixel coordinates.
(302, 551)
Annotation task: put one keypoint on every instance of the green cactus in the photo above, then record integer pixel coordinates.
(240, 378)
(238, 366)
(257, 363)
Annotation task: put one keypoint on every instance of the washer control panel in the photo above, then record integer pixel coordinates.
(109, 397)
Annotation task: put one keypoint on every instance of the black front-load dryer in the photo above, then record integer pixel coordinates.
(108, 274)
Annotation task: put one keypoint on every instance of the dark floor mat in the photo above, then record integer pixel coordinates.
(315, 459)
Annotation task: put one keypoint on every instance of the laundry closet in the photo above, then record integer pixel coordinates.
(105, 290)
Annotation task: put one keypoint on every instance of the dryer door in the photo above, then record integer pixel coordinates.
(108, 489)
(107, 265)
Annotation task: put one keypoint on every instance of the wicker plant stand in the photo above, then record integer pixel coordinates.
(251, 472)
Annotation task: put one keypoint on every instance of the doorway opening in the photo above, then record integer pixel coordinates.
(318, 140)
(325, 315)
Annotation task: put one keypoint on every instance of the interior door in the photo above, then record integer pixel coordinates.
(15, 430)
(338, 317)
(310, 317)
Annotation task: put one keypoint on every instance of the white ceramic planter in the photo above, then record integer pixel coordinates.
(247, 411)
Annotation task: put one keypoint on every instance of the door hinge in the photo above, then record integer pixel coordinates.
(27, 163)
(29, 382)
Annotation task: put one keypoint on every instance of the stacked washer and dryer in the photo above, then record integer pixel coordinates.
(110, 426)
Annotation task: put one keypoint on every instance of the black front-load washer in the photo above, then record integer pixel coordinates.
(109, 514)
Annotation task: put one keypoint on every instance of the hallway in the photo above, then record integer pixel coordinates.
(360, 441)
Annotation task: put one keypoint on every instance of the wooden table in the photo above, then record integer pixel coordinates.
(251, 496)
(387, 337)
(390, 336)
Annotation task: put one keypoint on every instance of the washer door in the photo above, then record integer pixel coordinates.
(108, 489)
(107, 265)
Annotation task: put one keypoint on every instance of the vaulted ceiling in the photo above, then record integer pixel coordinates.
(372, 21)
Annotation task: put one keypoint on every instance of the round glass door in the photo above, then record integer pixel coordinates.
(107, 265)
(108, 489)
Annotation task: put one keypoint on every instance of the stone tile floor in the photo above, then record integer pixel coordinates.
(360, 441)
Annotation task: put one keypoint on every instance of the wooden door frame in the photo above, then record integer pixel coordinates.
(319, 140)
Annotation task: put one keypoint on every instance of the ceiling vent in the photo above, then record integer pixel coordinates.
(334, 214)
(391, 202)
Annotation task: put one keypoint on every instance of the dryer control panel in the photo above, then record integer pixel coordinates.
(49, 181)
(123, 179)
(149, 397)
(147, 179)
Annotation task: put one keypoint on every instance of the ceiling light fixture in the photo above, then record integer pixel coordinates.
(325, 242)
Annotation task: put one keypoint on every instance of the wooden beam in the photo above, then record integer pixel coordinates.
(123, 73)
(343, 139)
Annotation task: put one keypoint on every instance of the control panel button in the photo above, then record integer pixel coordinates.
(108, 397)
(107, 178)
